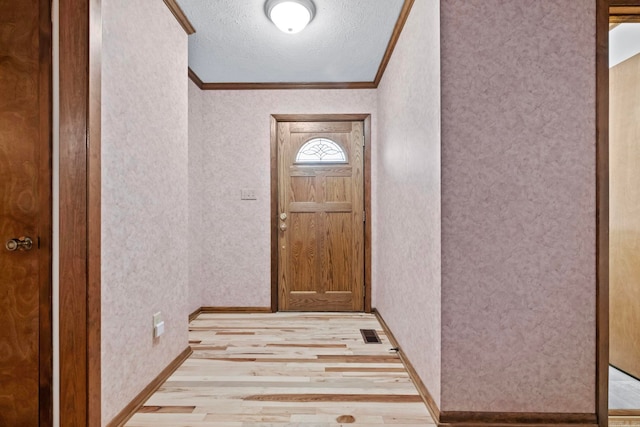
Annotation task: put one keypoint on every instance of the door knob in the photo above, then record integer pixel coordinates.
(283, 216)
(21, 243)
(283, 226)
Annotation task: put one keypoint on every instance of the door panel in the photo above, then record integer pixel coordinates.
(624, 217)
(338, 189)
(303, 189)
(321, 237)
(303, 254)
(337, 252)
(25, 335)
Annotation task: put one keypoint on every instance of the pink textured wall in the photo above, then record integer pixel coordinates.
(518, 205)
(229, 146)
(197, 186)
(144, 195)
(407, 250)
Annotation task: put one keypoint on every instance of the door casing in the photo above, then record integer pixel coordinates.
(366, 119)
(602, 212)
(80, 48)
(602, 200)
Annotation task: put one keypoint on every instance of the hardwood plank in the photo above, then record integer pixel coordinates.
(333, 369)
(336, 398)
(308, 345)
(360, 359)
(195, 346)
(166, 409)
(235, 333)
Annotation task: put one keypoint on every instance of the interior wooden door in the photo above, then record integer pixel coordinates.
(321, 216)
(624, 219)
(25, 213)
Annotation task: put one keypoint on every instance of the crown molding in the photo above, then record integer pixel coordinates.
(194, 78)
(275, 86)
(397, 30)
(177, 11)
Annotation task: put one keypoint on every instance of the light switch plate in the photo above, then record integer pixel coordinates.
(248, 194)
(158, 325)
(158, 330)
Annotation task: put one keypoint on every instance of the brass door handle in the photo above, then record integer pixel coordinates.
(283, 226)
(19, 243)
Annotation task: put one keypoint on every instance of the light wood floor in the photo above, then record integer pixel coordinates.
(285, 369)
(624, 421)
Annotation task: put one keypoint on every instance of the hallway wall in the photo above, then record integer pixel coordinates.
(230, 150)
(518, 205)
(144, 195)
(407, 274)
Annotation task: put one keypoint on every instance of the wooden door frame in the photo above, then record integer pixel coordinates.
(602, 212)
(45, 203)
(275, 119)
(602, 199)
(80, 48)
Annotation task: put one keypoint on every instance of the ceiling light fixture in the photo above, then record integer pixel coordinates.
(290, 16)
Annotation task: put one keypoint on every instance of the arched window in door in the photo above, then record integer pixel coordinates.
(321, 150)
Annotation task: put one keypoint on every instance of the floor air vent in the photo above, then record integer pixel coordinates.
(370, 336)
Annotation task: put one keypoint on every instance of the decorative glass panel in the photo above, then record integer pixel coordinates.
(321, 150)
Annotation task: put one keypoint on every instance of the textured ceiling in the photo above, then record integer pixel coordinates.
(235, 42)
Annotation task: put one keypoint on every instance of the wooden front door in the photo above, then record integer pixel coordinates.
(320, 216)
(25, 213)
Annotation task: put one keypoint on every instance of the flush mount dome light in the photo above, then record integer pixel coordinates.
(290, 16)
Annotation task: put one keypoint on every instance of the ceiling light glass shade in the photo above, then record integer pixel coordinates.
(290, 16)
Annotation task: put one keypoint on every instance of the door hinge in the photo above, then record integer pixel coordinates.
(364, 216)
